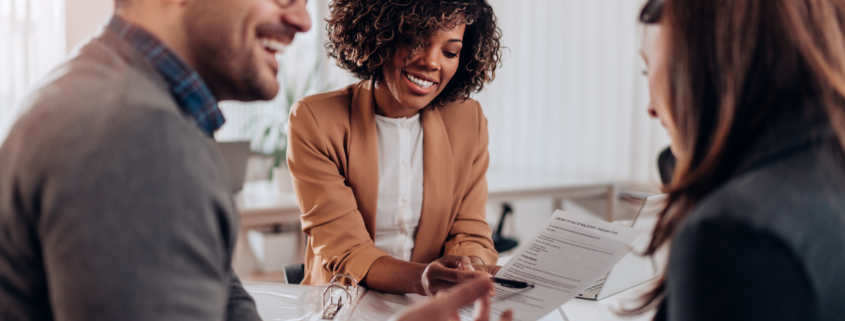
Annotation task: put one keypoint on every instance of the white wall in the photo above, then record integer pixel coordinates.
(570, 96)
(570, 99)
(84, 17)
(32, 42)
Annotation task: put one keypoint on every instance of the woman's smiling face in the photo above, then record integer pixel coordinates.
(414, 82)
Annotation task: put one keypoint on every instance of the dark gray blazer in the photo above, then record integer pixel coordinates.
(113, 205)
(770, 243)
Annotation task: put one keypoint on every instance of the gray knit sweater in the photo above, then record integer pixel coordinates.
(113, 206)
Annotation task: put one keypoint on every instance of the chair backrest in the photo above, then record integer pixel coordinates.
(294, 273)
(501, 243)
(666, 165)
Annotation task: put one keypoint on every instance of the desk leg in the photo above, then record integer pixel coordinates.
(244, 261)
(612, 202)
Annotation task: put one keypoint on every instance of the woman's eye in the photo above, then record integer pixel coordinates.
(450, 54)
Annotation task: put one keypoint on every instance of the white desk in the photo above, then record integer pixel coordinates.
(295, 302)
(587, 310)
(261, 205)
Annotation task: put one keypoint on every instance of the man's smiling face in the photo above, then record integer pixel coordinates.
(234, 43)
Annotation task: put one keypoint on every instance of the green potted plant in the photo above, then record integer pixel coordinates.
(269, 130)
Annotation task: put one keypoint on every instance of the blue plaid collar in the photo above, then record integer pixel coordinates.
(186, 86)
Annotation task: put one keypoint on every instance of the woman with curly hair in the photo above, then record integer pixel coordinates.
(390, 172)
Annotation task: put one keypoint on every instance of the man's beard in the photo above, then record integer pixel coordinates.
(230, 72)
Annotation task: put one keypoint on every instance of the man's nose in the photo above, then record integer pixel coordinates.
(297, 17)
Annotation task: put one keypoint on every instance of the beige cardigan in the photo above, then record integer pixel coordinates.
(333, 158)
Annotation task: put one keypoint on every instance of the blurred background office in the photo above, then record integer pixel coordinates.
(568, 106)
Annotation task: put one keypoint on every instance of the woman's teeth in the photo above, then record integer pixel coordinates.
(419, 82)
(273, 45)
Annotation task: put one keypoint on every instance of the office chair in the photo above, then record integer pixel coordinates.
(294, 273)
(501, 243)
(666, 165)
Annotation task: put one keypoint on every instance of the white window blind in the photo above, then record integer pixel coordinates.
(570, 96)
(32, 41)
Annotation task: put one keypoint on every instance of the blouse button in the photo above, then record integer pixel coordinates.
(404, 162)
(403, 125)
(404, 199)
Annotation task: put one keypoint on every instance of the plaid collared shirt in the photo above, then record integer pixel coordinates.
(186, 86)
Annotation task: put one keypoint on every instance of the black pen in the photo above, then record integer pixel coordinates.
(511, 283)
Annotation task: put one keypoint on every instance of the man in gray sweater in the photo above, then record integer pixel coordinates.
(114, 200)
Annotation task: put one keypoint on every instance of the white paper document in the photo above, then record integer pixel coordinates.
(382, 306)
(568, 253)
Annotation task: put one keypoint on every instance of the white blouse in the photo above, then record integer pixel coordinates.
(400, 188)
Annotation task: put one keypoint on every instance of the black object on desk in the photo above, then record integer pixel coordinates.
(511, 283)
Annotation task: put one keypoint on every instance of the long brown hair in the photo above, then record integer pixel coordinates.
(733, 67)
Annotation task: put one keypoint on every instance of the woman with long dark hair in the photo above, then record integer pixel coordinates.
(752, 93)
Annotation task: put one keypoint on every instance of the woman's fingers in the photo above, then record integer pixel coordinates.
(507, 316)
(491, 269)
(448, 271)
(448, 279)
(481, 311)
(465, 264)
(437, 287)
(455, 262)
(453, 275)
(464, 294)
(445, 306)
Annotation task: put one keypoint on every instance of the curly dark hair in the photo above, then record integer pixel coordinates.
(365, 34)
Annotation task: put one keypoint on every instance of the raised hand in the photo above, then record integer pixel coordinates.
(447, 303)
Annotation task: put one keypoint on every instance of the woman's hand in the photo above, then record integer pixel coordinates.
(478, 265)
(448, 271)
(490, 269)
(447, 303)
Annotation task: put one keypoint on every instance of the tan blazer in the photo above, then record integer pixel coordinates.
(333, 158)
